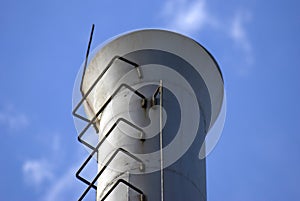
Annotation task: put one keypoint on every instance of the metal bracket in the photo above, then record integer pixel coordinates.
(142, 195)
(99, 144)
(92, 184)
(153, 99)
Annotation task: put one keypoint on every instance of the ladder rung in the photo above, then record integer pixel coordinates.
(99, 144)
(106, 165)
(127, 184)
(97, 80)
(103, 107)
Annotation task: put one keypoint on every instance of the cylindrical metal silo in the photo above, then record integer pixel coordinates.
(150, 97)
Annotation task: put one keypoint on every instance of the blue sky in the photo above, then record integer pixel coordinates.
(256, 44)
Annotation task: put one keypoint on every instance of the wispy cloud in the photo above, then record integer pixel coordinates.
(67, 187)
(239, 35)
(41, 172)
(53, 176)
(187, 16)
(13, 119)
(36, 172)
(60, 188)
(191, 17)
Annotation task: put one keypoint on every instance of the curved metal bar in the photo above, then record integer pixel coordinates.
(78, 176)
(97, 80)
(103, 107)
(106, 165)
(127, 184)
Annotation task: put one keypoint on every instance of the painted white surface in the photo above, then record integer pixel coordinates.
(184, 174)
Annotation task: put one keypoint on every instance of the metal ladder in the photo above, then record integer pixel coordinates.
(92, 122)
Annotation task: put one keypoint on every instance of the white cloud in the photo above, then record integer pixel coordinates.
(237, 31)
(41, 172)
(187, 16)
(59, 188)
(37, 172)
(50, 178)
(191, 17)
(239, 35)
(12, 119)
(67, 187)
